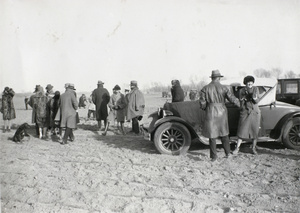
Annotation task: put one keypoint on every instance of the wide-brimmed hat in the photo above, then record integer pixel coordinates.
(71, 86)
(100, 82)
(133, 83)
(117, 87)
(215, 73)
(49, 87)
(248, 78)
(36, 88)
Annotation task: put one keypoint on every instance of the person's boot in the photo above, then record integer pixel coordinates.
(66, 135)
(72, 137)
(40, 133)
(122, 129)
(236, 151)
(106, 128)
(99, 125)
(44, 133)
(254, 147)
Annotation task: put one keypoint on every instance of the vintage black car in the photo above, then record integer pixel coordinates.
(175, 125)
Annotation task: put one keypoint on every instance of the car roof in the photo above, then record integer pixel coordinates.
(269, 82)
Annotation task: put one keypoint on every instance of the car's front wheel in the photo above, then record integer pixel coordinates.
(172, 139)
(291, 134)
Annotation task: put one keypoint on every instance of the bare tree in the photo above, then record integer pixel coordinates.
(262, 73)
(290, 74)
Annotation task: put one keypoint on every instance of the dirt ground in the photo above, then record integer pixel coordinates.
(117, 173)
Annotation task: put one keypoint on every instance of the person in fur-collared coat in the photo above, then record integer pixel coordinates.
(176, 91)
(136, 106)
(8, 108)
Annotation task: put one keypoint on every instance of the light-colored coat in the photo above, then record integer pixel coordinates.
(250, 115)
(67, 110)
(136, 104)
(118, 100)
(212, 100)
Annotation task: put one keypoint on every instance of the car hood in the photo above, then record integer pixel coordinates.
(287, 106)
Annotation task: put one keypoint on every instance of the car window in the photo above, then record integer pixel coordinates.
(291, 87)
(278, 88)
(262, 90)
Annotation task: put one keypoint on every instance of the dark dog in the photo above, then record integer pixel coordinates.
(21, 132)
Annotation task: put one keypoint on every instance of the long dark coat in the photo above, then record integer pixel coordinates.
(100, 97)
(212, 100)
(8, 108)
(177, 93)
(136, 104)
(250, 115)
(31, 103)
(67, 111)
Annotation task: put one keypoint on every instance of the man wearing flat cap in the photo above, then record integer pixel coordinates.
(212, 100)
(136, 106)
(100, 98)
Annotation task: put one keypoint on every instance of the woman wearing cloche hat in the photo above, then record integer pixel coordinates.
(249, 122)
(117, 105)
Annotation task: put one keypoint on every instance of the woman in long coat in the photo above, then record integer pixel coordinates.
(67, 112)
(40, 101)
(8, 108)
(117, 105)
(250, 115)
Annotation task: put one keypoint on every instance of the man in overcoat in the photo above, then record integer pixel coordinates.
(67, 112)
(31, 103)
(100, 98)
(212, 100)
(135, 107)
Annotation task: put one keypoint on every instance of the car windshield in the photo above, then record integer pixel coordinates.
(266, 87)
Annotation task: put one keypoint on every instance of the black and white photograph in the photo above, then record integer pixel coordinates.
(135, 106)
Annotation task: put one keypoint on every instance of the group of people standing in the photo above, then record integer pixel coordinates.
(129, 106)
(212, 100)
(54, 111)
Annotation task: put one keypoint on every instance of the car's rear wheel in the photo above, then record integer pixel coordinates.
(291, 134)
(172, 139)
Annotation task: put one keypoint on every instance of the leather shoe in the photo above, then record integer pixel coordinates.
(213, 159)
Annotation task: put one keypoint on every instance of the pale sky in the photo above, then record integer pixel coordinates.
(83, 41)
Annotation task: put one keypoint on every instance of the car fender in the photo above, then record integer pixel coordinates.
(276, 133)
(174, 119)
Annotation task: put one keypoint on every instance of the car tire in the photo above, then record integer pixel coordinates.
(291, 134)
(172, 139)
